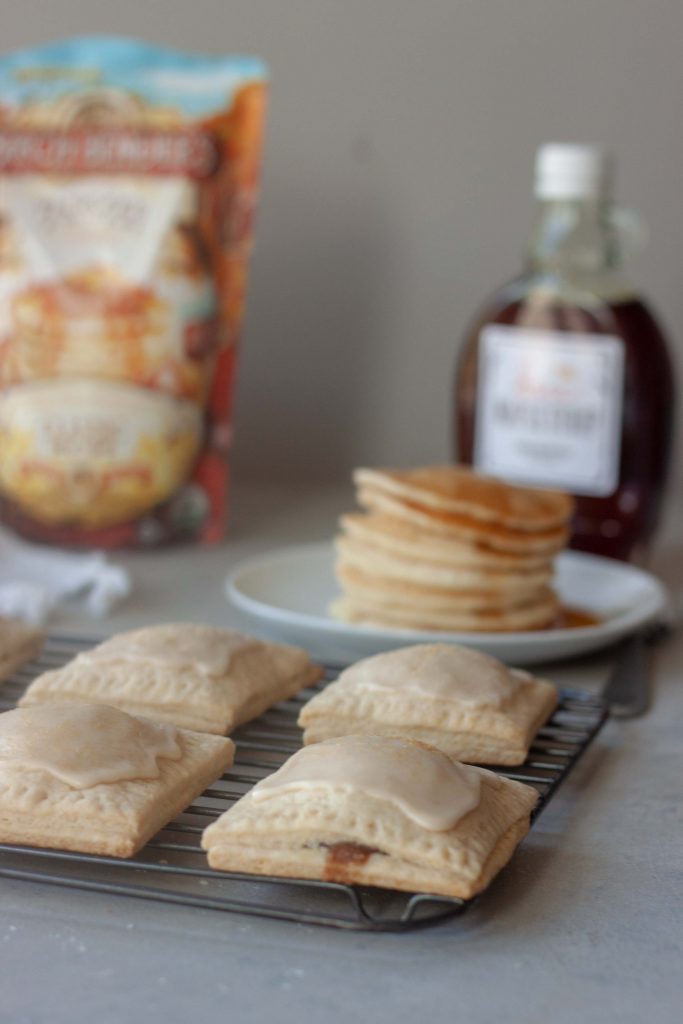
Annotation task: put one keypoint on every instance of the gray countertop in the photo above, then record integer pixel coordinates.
(584, 924)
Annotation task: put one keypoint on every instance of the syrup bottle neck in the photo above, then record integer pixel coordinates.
(574, 238)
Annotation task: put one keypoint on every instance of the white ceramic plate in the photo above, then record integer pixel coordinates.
(287, 594)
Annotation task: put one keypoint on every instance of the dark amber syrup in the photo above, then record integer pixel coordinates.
(620, 525)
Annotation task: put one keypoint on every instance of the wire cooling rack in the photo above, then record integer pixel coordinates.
(172, 867)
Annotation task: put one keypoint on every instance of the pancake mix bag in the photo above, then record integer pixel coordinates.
(128, 182)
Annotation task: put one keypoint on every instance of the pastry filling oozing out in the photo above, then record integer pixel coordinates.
(343, 854)
(344, 859)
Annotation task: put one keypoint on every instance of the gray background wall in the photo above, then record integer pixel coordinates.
(397, 188)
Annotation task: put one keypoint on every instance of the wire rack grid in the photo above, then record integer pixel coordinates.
(172, 867)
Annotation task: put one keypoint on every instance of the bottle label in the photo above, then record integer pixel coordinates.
(549, 407)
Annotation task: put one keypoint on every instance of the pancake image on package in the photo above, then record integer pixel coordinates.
(128, 181)
(125, 451)
(442, 548)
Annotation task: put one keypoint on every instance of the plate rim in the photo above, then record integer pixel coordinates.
(609, 630)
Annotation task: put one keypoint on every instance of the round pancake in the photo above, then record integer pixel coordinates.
(374, 561)
(534, 616)
(459, 490)
(405, 539)
(464, 528)
(360, 584)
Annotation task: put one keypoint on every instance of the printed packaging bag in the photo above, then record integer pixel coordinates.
(128, 183)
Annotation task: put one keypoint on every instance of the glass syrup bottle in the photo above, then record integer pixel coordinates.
(565, 379)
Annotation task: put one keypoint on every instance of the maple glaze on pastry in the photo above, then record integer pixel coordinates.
(203, 678)
(458, 700)
(425, 785)
(207, 649)
(346, 810)
(84, 745)
(441, 671)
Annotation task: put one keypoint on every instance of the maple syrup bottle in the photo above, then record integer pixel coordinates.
(565, 379)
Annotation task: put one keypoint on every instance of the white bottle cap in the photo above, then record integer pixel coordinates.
(571, 171)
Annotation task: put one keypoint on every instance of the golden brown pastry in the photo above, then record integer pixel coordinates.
(198, 677)
(460, 701)
(375, 811)
(92, 778)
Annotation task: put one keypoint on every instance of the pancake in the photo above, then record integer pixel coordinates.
(441, 548)
(458, 490)
(361, 584)
(464, 528)
(374, 561)
(535, 616)
(402, 538)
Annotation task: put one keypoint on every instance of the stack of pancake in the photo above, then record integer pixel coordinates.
(443, 548)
